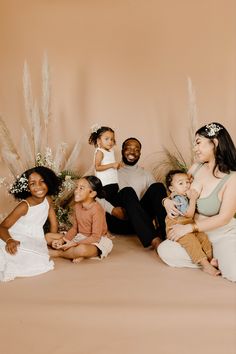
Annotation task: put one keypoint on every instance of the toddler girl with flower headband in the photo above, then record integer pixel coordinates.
(23, 247)
(103, 138)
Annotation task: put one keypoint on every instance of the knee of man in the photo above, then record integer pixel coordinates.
(158, 186)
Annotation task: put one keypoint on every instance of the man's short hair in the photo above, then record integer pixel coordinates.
(123, 145)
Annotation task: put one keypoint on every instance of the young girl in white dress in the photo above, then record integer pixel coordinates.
(105, 165)
(23, 247)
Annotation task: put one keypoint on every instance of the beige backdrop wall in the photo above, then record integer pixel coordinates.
(122, 63)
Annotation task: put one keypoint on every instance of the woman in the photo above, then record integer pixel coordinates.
(215, 179)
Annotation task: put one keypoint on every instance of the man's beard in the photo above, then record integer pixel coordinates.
(129, 163)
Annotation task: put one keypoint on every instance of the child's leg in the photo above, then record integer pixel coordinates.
(194, 249)
(205, 244)
(80, 251)
(50, 237)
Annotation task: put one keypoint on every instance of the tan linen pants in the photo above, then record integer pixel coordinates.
(196, 244)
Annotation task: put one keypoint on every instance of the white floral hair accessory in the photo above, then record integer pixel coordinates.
(212, 129)
(20, 185)
(95, 128)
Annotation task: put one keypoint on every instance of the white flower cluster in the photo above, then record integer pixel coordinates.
(212, 129)
(46, 160)
(2, 180)
(95, 128)
(20, 185)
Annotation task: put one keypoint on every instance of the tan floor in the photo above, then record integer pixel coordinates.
(128, 303)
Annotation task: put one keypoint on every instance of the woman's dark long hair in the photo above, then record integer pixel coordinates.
(225, 151)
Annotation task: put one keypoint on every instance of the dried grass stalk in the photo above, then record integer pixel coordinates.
(36, 129)
(73, 158)
(8, 150)
(59, 159)
(28, 97)
(26, 148)
(45, 95)
(192, 114)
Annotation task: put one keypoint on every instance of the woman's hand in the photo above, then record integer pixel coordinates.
(171, 209)
(179, 231)
(11, 246)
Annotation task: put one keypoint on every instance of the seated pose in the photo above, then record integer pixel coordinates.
(216, 205)
(103, 138)
(196, 244)
(88, 235)
(23, 247)
(140, 196)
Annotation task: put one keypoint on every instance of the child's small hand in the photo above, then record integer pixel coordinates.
(68, 244)
(57, 244)
(116, 165)
(11, 246)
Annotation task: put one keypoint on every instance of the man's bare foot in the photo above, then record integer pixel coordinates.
(208, 268)
(77, 260)
(214, 263)
(54, 253)
(155, 243)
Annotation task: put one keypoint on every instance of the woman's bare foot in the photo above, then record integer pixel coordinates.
(77, 260)
(209, 268)
(214, 263)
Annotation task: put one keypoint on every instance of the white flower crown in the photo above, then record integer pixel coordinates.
(212, 129)
(95, 128)
(20, 185)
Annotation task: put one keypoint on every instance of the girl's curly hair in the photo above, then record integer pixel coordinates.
(20, 188)
(97, 134)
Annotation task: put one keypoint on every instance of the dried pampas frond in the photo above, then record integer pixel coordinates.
(28, 97)
(192, 114)
(8, 150)
(73, 158)
(13, 161)
(26, 149)
(168, 161)
(36, 129)
(45, 95)
(60, 154)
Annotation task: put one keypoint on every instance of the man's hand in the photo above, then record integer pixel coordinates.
(119, 213)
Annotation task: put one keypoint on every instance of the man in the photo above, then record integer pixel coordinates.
(140, 196)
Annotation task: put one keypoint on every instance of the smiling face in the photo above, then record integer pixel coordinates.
(180, 184)
(106, 140)
(84, 192)
(37, 186)
(204, 149)
(131, 152)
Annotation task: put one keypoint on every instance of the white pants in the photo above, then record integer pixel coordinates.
(223, 241)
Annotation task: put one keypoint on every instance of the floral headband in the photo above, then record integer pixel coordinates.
(212, 129)
(95, 128)
(20, 185)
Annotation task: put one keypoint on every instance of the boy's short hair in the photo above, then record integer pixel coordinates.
(171, 174)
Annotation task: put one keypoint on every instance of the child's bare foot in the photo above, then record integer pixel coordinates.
(214, 263)
(54, 253)
(208, 268)
(77, 260)
(155, 243)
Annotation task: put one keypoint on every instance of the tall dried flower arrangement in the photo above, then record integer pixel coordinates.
(169, 160)
(34, 149)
